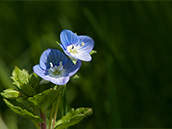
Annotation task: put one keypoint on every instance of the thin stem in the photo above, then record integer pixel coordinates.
(51, 116)
(43, 125)
(64, 101)
(64, 108)
(56, 110)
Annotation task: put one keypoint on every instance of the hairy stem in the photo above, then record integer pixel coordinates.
(64, 108)
(51, 116)
(43, 125)
(56, 110)
(64, 101)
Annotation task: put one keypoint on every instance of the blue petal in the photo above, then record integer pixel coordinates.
(71, 68)
(84, 56)
(40, 72)
(61, 45)
(54, 56)
(44, 59)
(88, 43)
(67, 38)
(60, 80)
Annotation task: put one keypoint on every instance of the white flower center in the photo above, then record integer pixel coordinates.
(55, 71)
(73, 49)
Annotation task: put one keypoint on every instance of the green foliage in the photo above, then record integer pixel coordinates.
(34, 81)
(46, 98)
(75, 76)
(73, 117)
(23, 82)
(93, 52)
(20, 77)
(26, 84)
(27, 101)
(10, 94)
(23, 112)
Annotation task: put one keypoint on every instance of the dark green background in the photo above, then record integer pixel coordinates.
(128, 83)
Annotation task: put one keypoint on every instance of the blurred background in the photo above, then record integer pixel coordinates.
(128, 83)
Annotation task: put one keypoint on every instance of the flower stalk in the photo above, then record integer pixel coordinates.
(51, 116)
(43, 124)
(64, 109)
(64, 101)
(56, 111)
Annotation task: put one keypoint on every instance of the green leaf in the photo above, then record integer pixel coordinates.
(75, 76)
(23, 112)
(10, 94)
(45, 98)
(24, 103)
(28, 90)
(34, 81)
(73, 117)
(21, 79)
(93, 52)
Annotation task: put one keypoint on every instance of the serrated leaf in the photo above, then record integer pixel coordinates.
(10, 94)
(21, 79)
(73, 117)
(93, 52)
(45, 98)
(23, 112)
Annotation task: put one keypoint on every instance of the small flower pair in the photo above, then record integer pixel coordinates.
(57, 67)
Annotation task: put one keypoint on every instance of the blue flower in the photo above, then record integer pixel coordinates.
(78, 47)
(56, 67)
